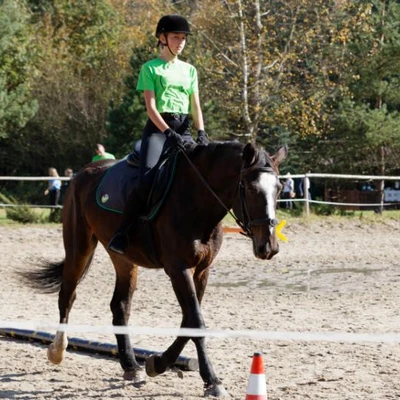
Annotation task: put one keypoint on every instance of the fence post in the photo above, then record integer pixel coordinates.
(306, 187)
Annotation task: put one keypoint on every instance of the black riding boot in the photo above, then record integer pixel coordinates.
(133, 209)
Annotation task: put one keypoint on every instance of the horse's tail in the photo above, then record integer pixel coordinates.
(47, 279)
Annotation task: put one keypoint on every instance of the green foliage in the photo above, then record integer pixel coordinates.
(55, 215)
(324, 209)
(269, 65)
(17, 55)
(20, 212)
(40, 6)
(90, 29)
(317, 75)
(23, 214)
(368, 115)
(125, 121)
(80, 66)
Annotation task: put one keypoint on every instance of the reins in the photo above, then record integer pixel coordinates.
(209, 188)
(243, 201)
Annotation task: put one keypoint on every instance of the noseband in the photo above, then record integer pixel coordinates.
(247, 221)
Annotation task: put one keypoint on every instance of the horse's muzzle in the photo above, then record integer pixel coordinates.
(265, 242)
(266, 250)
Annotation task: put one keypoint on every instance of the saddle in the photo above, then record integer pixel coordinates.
(114, 188)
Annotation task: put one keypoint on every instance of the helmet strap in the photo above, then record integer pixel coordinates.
(169, 48)
(167, 44)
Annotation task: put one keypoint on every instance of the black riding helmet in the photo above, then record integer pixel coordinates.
(172, 23)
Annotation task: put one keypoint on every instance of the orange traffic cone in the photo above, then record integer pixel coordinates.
(257, 387)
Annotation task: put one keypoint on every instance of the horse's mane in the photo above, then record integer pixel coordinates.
(227, 152)
(217, 149)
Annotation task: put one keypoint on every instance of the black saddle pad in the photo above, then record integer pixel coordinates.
(114, 188)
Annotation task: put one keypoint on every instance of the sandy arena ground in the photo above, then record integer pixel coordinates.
(341, 276)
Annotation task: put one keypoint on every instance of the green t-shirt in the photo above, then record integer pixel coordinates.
(105, 156)
(172, 83)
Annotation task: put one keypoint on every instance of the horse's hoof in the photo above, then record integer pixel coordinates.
(55, 355)
(151, 366)
(216, 390)
(137, 377)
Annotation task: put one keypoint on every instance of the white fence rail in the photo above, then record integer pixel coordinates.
(306, 200)
(306, 188)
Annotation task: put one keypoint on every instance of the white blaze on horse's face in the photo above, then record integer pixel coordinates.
(269, 185)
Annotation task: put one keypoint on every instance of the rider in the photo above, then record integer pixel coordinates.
(170, 90)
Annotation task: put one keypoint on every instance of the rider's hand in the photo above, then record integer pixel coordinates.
(202, 138)
(174, 138)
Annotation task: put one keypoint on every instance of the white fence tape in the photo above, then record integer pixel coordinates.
(341, 337)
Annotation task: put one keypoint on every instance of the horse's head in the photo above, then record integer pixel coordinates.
(256, 202)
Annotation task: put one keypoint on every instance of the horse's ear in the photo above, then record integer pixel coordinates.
(249, 154)
(280, 155)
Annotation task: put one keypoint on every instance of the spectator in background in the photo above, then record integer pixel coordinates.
(101, 154)
(64, 185)
(288, 191)
(53, 188)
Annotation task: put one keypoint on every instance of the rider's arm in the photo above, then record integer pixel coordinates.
(152, 112)
(197, 115)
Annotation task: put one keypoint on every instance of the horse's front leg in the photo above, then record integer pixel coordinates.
(188, 295)
(125, 286)
(173, 351)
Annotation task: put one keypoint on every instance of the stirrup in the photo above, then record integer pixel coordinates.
(118, 243)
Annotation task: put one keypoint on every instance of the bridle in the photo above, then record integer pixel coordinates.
(247, 222)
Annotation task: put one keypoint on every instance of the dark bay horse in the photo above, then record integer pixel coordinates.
(209, 181)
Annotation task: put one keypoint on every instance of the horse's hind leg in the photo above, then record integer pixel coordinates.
(77, 260)
(125, 285)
